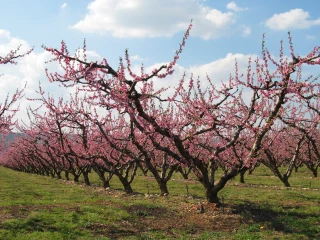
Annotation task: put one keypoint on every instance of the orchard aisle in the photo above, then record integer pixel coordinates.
(37, 207)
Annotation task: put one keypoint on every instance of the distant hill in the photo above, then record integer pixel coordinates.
(10, 138)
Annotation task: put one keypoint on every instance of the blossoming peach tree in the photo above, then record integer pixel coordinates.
(194, 127)
(7, 108)
(201, 128)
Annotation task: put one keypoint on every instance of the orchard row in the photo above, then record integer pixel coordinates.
(117, 122)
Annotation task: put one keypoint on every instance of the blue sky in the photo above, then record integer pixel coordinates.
(151, 30)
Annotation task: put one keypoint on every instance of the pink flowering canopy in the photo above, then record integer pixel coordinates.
(194, 126)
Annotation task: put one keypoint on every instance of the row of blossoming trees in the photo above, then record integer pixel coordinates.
(194, 129)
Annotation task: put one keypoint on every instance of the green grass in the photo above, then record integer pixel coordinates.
(37, 207)
(301, 179)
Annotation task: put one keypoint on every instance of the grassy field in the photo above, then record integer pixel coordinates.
(37, 207)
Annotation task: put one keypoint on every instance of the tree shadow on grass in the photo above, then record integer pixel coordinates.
(286, 219)
(143, 219)
(15, 227)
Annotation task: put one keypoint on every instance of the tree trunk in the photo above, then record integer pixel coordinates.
(106, 183)
(285, 181)
(163, 188)
(126, 185)
(101, 173)
(242, 173)
(292, 162)
(184, 172)
(59, 175)
(212, 189)
(185, 176)
(313, 170)
(212, 194)
(76, 178)
(128, 188)
(144, 170)
(86, 178)
(161, 183)
(66, 174)
(283, 178)
(274, 168)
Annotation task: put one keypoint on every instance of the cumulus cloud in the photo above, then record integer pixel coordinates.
(153, 18)
(8, 43)
(64, 5)
(218, 71)
(294, 19)
(30, 70)
(234, 7)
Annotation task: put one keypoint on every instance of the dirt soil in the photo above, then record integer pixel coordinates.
(178, 215)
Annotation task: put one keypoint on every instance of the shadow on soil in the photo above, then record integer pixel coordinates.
(284, 219)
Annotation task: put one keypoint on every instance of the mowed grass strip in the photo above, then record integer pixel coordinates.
(37, 207)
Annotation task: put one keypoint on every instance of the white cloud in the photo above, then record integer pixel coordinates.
(64, 5)
(30, 69)
(218, 71)
(153, 18)
(218, 18)
(4, 35)
(234, 7)
(137, 58)
(8, 43)
(246, 31)
(294, 19)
